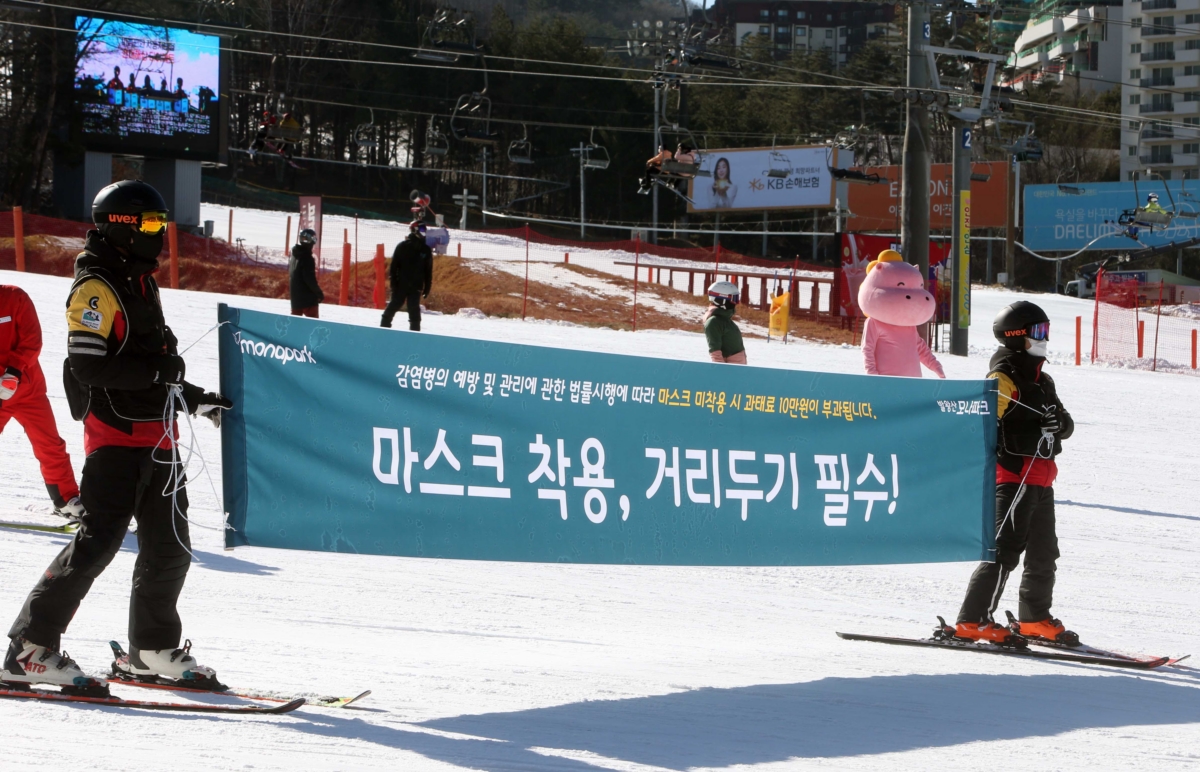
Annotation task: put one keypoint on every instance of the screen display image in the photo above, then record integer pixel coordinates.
(145, 88)
(763, 178)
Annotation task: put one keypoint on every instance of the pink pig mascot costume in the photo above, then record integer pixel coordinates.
(894, 299)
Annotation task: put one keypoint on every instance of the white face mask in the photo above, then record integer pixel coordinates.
(1036, 348)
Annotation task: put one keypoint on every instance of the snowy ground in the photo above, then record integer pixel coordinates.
(504, 666)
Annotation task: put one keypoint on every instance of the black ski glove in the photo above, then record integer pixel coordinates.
(170, 369)
(1051, 422)
(212, 406)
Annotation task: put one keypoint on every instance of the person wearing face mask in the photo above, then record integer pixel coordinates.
(1032, 426)
(124, 379)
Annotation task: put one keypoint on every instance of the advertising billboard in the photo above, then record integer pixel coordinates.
(877, 207)
(147, 89)
(761, 178)
(1069, 217)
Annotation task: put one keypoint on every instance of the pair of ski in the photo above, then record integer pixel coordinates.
(1029, 648)
(98, 695)
(69, 527)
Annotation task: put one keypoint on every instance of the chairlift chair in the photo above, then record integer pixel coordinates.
(471, 120)
(436, 142)
(595, 156)
(780, 165)
(520, 151)
(675, 170)
(446, 40)
(364, 134)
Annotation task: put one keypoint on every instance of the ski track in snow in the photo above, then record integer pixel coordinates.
(510, 666)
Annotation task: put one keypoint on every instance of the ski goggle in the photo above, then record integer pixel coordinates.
(1039, 331)
(152, 223)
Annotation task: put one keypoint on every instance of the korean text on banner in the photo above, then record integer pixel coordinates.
(357, 439)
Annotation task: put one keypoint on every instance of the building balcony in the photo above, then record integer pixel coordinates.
(1187, 56)
(1188, 82)
(1157, 5)
(1158, 56)
(1152, 31)
(1157, 133)
(1160, 107)
(1186, 108)
(1156, 82)
(1159, 159)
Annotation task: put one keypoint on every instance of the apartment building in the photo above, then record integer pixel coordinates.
(1069, 41)
(838, 28)
(1160, 94)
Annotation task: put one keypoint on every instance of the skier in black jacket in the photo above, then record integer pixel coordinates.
(306, 293)
(124, 379)
(411, 274)
(1032, 425)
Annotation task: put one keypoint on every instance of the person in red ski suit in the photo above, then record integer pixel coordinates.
(23, 397)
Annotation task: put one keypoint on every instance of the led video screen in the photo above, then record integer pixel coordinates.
(147, 89)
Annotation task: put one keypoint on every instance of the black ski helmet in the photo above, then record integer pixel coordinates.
(307, 236)
(1012, 325)
(124, 212)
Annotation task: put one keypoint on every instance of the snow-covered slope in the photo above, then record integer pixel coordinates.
(504, 666)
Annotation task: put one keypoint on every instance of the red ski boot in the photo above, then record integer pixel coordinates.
(1048, 629)
(987, 631)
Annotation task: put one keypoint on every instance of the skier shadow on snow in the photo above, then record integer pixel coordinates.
(1126, 510)
(831, 717)
(212, 560)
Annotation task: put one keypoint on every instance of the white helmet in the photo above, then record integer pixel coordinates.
(724, 294)
(1152, 197)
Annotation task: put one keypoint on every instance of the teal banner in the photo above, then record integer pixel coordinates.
(358, 439)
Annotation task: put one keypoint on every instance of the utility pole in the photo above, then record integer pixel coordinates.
(658, 95)
(582, 193)
(1010, 225)
(960, 250)
(914, 188)
(483, 152)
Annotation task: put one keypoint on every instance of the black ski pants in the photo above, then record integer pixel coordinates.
(399, 299)
(118, 484)
(1027, 526)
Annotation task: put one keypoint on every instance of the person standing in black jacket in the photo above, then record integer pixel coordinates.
(1032, 426)
(411, 274)
(306, 293)
(125, 380)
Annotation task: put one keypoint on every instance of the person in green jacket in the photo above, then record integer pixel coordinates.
(724, 337)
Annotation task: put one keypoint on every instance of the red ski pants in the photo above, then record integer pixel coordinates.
(33, 413)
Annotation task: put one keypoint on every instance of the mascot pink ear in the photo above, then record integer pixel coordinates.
(886, 256)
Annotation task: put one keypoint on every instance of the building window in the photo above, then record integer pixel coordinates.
(1135, 73)
(1135, 22)
(1132, 150)
(1164, 175)
(1135, 125)
(1191, 147)
(781, 30)
(842, 32)
(1190, 45)
(1192, 18)
(1131, 176)
(801, 32)
(764, 14)
(1191, 69)
(1135, 99)
(828, 34)
(782, 14)
(764, 30)
(829, 17)
(1189, 174)
(800, 15)
(1191, 121)
(1191, 96)
(1135, 48)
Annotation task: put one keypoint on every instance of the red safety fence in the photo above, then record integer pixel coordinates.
(1150, 326)
(517, 273)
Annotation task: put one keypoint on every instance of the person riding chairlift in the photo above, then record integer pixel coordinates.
(1152, 204)
(684, 154)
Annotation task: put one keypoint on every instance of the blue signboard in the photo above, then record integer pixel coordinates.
(1067, 217)
(359, 439)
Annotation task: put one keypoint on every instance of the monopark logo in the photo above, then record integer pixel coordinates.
(274, 351)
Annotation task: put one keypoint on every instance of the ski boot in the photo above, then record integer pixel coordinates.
(27, 663)
(163, 666)
(1049, 629)
(979, 632)
(72, 510)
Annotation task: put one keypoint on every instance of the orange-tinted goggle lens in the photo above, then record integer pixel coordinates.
(152, 223)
